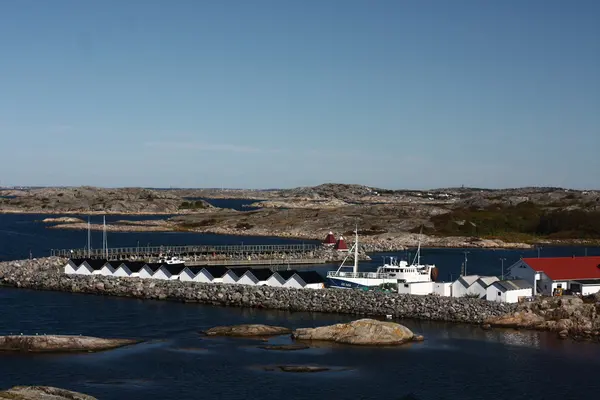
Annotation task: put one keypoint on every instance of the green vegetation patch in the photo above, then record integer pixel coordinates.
(523, 220)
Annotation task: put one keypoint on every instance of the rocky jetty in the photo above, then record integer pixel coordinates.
(361, 332)
(42, 393)
(247, 330)
(568, 316)
(59, 343)
(46, 274)
(62, 220)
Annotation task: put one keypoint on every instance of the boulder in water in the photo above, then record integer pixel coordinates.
(247, 330)
(361, 332)
(60, 343)
(42, 393)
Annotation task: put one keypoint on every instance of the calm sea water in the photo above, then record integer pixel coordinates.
(175, 362)
(455, 361)
(20, 234)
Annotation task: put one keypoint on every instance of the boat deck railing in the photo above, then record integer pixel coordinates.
(367, 275)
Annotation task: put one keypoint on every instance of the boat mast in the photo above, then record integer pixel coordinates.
(104, 239)
(89, 239)
(355, 270)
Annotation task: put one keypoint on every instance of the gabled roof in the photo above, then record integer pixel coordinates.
(133, 266)
(262, 274)
(193, 270)
(566, 268)
(239, 272)
(287, 274)
(469, 279)
(515, 284)
(311, 277)
(78, 261)
(216, 271)
(174, 269)
(154, 266)
(96, 264)
(486, 281)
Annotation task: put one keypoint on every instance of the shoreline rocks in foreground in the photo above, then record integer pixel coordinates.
(42, 393)
(59, 343)
(247, 330)
(361, 332)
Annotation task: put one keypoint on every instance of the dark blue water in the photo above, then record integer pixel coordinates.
(235, 204)
(20, 234)
(455, 361)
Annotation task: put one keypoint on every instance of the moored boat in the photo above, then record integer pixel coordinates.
(394, 272)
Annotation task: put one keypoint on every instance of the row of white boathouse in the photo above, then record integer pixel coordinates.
(209, 274)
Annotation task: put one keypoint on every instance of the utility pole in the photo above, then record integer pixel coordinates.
(502, 260)
(538, 250)
(466, 252)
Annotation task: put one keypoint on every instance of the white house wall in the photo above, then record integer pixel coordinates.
(478, 288)
(186, 276)
(105, 271)
(145, 273)
(122, 272)
(512, 296)
(70, 268)
(418, 288)
(443, 288)
(275, 280)
(294, 282)
(459, 289)
(247, 280)
(589, 289)
(162, 274)
(314, 286)
(229, 278)
(84, 269)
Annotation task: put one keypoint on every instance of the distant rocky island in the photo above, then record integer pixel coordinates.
(387, 219)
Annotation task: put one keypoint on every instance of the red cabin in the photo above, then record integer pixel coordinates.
(329, 240)
(341, 244)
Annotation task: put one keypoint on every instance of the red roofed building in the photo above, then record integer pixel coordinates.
(576, 274)
(329, 240)
(341, 244)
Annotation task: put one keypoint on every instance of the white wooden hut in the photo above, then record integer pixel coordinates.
(312, 280)
(71, 266)
(106, 270)
(462, 286)
(276, 280)
(480, 285)
(255, 277)
(193, 274)
(89, 267)
(509, 291)
(228, 277)
(148, 270)
(214, 274)
(168, 271)
(129, 269)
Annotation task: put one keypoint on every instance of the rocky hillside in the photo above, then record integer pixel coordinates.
(99, 200)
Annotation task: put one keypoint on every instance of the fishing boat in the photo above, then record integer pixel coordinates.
(394, 271)
(171, 260)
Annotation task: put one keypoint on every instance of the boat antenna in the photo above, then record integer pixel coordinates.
(356, 250)
(418, 255)
(104, 239)
(89, 239)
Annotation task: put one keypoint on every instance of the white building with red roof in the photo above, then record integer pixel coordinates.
(575, 274)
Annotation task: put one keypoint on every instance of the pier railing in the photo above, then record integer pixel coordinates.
(187, 250)
(283, 263)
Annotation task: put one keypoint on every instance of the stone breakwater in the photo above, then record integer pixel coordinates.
(46, 274)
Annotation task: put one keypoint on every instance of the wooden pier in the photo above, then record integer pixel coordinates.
(280, 264)
(195, 252)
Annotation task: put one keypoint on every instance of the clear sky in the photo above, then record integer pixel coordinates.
(282, 93)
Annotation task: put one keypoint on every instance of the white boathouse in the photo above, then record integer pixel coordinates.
(509, 291)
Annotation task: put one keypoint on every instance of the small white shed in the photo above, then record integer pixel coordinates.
(71, 266)
(276, 280)
(461, 286)
(480, 285)
(509, 291)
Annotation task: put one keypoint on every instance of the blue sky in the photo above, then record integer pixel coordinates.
(281, 93)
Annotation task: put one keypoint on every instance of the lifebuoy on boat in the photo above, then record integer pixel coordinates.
(434, 274)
